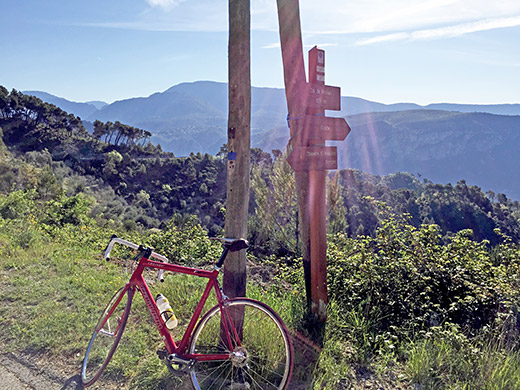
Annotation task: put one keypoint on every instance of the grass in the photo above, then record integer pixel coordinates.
(52, 293)
(53, 290)
(49, 293)
(456, 363)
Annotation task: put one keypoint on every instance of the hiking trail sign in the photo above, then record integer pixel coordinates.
(316, 158)
(312, 129)
(310, 158)
(320, 128)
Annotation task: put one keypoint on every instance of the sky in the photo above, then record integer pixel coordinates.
(390, 51)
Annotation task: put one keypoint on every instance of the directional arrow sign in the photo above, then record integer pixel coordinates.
(313, 158)
(323, 97)
(320, 128)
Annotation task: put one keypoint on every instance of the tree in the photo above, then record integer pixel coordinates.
(100, 129)
(112, 160)
(337, 212)
(5, 109)
(274, 223)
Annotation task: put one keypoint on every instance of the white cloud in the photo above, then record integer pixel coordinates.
(445, 32)
(383, 38)
(377, 16)
(334, 17)
(165, 4)
(466, 28)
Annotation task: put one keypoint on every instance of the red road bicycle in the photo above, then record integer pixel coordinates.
(239, 343)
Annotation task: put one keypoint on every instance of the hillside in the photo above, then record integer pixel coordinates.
(135, 183)
(130, 181)
(441, 146)
(477, 143)
(192, 117)
(423, 281)
(407, 310)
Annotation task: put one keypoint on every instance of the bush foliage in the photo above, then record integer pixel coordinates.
(404, 280)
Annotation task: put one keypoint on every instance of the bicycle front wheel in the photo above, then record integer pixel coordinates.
(106, 336)
(256, 341)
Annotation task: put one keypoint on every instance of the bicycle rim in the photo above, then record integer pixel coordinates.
(260, 359)
(106, 336)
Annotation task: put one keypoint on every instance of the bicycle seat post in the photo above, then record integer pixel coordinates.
(220, 261)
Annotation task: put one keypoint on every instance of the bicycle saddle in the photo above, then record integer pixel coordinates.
(233, 244)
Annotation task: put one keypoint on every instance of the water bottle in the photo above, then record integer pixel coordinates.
(166, 311)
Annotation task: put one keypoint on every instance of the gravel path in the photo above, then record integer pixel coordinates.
(11, 381)
(16, 374)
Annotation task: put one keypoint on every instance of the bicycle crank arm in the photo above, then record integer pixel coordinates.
(176, 365)
(174, 359)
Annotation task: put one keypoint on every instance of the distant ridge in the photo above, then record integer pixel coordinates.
(442, 146)
(186, 104)
(98, 104)
(83, 110)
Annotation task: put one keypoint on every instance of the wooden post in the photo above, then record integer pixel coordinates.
(295, 80)
(318, 204)
(239, 135)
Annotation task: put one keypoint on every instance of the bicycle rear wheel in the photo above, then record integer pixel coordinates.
(260, 354)
(106, 336)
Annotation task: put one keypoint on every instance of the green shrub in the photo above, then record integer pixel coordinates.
(18, 204)
(187, 243)
(67, 210)
(403, 280)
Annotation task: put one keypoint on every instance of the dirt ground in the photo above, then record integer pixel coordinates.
(38, 372)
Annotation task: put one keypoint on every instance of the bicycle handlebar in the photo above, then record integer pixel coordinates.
(114, 239)
(230, 245)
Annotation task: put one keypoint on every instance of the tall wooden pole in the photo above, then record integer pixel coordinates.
(295, 80)
(318, 206)
(239, 135)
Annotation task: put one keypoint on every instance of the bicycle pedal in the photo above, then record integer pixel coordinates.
(162, 354)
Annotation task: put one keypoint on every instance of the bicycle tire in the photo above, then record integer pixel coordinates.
(262, 359)
(104, 341)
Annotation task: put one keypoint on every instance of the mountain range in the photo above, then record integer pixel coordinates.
(192, 117)
(442, 142)
(83, 110)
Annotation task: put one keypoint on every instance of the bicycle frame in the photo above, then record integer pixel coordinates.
(137, 281)
(264, 355)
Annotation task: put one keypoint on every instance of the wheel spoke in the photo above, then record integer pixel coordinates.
(216, 369)
(262, 358)
(264, 378)
(266, 369)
